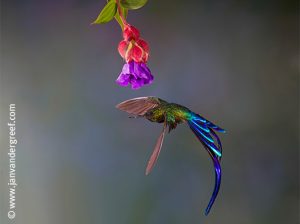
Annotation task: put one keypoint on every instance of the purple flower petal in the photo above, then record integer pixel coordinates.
(136, 74)
(123, 79)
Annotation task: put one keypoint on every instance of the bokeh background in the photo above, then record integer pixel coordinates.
(80, 160)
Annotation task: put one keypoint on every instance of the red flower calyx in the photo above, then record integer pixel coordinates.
(132, 48)
(130, 32)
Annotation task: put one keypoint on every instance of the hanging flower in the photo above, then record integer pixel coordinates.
(135, 52)
(133, 49)
(136, 74)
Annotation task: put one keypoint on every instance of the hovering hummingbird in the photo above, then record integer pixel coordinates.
(170, 114)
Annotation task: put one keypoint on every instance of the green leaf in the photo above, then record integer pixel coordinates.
(118, 18)
(107, 13)
(133, 4)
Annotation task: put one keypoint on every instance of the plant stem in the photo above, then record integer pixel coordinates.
(121, 13)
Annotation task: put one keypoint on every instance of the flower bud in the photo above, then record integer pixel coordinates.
(131, 33)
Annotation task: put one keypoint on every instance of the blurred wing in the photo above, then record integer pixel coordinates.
(139, 106)
(156, 151)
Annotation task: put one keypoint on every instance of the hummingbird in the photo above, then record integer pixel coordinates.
(171, 114)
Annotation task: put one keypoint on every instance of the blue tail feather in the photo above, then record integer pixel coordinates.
(211, 146)
(218, 175)
(218, 140)
(199, 118)
(204, 134)
(202, 121)
(202, 126)
(199, 125)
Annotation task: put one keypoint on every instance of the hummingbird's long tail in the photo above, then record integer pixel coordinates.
(204, 131)
(218, 175)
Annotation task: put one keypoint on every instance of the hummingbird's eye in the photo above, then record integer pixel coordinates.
(149, 113)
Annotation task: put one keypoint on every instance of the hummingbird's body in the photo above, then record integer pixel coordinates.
(157, 110)
(170, 113)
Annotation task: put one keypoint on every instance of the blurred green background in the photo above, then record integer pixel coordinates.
(80, 160)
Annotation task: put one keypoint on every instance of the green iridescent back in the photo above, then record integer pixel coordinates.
(173, 113)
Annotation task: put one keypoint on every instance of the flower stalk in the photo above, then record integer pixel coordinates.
(123, 20)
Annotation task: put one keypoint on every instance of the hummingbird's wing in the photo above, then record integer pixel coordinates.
(156, 150)
(139, 106)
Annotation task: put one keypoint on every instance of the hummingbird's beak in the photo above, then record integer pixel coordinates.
(135, 116)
